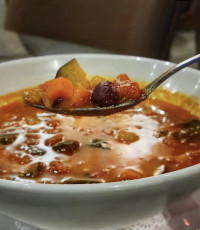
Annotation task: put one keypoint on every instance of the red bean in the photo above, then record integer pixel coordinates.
(105, 94)
(67, 147)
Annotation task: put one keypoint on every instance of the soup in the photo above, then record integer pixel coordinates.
(152, 138)
(72, 89)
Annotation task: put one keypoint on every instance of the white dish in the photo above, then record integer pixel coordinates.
(97, 206)
(178, 216)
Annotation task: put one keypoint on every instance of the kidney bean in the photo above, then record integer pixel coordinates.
(105, 94)
(66, 147)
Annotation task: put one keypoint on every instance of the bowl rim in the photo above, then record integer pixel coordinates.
(102, 187)
(96, 55)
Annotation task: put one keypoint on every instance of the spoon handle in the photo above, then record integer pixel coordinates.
(164, 76)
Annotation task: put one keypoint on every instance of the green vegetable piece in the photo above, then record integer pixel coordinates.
(8, 138)
(98, 143)
(34, 171)
(190, 131)
(77, 180)
(33, 150)
(161, 133)
(74, 73)
(32, 96)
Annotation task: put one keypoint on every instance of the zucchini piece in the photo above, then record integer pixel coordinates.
(74, 73)
(34, 150)
(8, 138)
(78, 180)
(98, 143)
(34, 170)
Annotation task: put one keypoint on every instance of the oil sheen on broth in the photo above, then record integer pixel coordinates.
(154, 137)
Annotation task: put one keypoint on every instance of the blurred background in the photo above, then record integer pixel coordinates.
(167, 29)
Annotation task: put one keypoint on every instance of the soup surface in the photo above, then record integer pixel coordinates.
(154, 137)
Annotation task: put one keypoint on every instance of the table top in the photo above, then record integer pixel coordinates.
(182, 215)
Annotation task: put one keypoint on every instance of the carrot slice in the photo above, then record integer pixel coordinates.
(80, 98)
(58, 88)
(130, 174)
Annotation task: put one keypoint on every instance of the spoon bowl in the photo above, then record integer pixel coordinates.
(94, 111)
(107, 110)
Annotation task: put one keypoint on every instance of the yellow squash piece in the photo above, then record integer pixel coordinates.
(95, 81)
(73, 72)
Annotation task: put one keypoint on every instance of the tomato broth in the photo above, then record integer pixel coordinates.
(152, 138)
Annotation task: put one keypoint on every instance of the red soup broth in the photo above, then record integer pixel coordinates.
(152, 138)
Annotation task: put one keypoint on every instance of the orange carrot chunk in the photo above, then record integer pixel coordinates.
(58, 88)
(126, 88)
(80, 98)
(130, 174)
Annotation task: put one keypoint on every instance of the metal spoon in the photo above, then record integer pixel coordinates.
(102, 111)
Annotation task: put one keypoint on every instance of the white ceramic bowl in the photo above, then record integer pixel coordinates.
(94, 206)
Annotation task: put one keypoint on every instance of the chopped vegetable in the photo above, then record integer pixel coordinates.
(53, 123)
(97, 143)
(67, 147)
(189, 132)
(76, 180)
(81, 97)
(54, 140)
(95, 81)
(8, 138)
(127, 89)
(57, 88)
(46, 101)
(159, 170)
(126, 137)
(33, 95)
(34, 170)
(32, 149)
(161, 133)
(74, 73)
(130, 174)
(58, 167)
